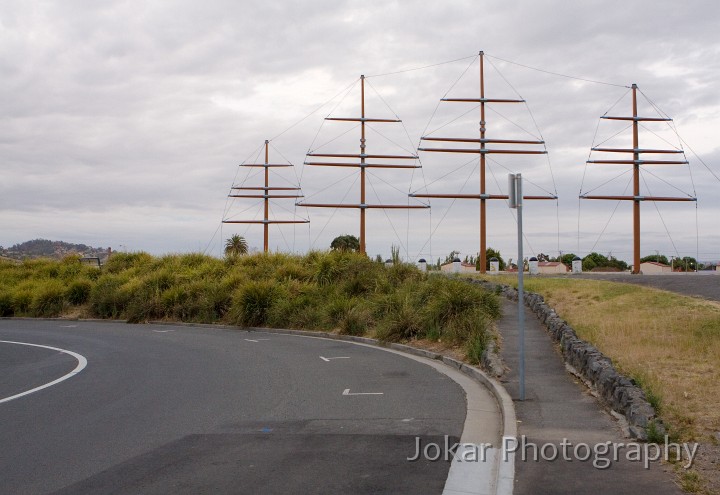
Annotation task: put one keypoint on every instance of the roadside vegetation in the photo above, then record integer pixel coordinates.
(668, 343)
(337, 291)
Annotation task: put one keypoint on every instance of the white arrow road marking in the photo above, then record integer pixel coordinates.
(347, 392)
(327, 360)
(255, 340)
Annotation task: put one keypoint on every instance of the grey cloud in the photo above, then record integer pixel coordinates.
(138, 114)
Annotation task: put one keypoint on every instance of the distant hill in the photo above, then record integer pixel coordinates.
(44, 248)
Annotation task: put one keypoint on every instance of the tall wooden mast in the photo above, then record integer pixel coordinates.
(266, 197)
(339, 160)
(636, 161)
(482, 150)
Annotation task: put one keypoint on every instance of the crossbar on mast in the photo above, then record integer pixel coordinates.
(362, 165)
(636, 162)
(266, 221)
(482, 151)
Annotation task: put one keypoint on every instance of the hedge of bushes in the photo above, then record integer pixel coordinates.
(326, 291)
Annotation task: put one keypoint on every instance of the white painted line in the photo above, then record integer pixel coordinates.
(347, 392)
(68, 326)
(82, 362)
(163, 331)
(255, 340)
(327, 360)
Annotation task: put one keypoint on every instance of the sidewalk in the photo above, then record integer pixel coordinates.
(557, 407)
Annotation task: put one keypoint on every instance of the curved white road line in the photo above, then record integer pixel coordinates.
(82, 362)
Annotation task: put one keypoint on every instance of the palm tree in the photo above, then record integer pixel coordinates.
(236, 245)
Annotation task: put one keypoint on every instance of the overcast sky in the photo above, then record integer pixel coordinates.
(123, 123)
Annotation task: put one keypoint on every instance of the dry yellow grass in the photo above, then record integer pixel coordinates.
(668, 342)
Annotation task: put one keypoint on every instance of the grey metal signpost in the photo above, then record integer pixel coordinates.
(515, 198)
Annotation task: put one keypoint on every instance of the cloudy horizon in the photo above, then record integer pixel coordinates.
(124, 125)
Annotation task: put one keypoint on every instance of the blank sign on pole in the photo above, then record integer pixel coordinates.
(515, 198)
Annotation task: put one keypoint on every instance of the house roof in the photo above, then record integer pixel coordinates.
(654, 263)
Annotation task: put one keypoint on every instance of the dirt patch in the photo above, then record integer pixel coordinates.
(440, 347)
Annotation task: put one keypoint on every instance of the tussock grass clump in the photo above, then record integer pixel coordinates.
(48, 299)
(22, 298)
(6, 303)
(401, 317)
(77, 292)
(252, 301)
(107, 298)
(356, 321)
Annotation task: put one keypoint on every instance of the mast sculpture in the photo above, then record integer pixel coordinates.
(482, 150)
(266, 197)
(636, 161)
(338, 160)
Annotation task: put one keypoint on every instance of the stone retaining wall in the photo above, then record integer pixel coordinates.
(618, 392)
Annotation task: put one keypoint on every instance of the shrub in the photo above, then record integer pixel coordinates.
(173, 303)
(292, 270)
(120, 262)
(106, 299)
(356, 321)
(48, 299)
(326, 270)
(337, 308)
(298, 304)
(22, 299)
(78, 292)
(401, 319)
(470, 323)
(452, 297)
(475, 345)
(6, 303)
(251, 303)
(400, 273)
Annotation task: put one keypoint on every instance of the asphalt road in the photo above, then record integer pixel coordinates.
(164, 409)
(701, 284)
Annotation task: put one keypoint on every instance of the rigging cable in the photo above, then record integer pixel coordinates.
(423, 67)
(449, 208)
(611, 217)
(557, 73)
(662, 220)
(388, 218)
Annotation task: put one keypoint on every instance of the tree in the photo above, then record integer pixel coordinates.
(566, 259)
(236, 245)
(491, 253)
(597, 260)
(686, 264)
(345, 242)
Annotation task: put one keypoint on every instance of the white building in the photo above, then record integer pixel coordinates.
(551, 267)
(654, 268)
(464, 267)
